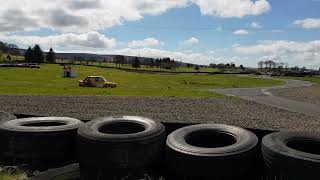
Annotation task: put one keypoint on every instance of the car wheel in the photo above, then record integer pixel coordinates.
(292, 155)
(38, 142)
(211, 151)
(5, 116)
(123, 144)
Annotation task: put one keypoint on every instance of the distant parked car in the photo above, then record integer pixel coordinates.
(96, 81)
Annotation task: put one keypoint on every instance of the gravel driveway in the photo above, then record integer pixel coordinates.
(304, 94)
(166, 109)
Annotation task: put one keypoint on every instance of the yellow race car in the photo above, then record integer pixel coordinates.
(96, 81)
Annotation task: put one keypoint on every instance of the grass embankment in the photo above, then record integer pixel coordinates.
(47, 81)
(148, 68)
(13, 57)
(312, 79)
(12, 175)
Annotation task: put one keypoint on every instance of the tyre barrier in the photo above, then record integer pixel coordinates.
(119, 147)
(211, 151)
(286, 155)
(5, 116)
(38, 143)
(292, 155)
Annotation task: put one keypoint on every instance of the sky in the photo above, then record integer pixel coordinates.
(193, 31)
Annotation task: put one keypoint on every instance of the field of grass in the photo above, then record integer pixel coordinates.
(148, 68)
(12, 175)
(47, 81)
(13, 57)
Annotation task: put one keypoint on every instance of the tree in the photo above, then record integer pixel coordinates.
(152, 63)
(136, 63)
(260, 64)
(9, 57)
(28, 55)
(51, 56)
(197, 67)
(1, 54)
(38, 54)
(157, 63)
(212, 65)
(9, 48)
(118, 59)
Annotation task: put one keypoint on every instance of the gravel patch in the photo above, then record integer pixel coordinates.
(303, 94)
(224, 110)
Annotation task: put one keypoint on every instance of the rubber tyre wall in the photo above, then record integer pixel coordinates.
(38, 147)
(292, 163)
(5, 116)
(108, 155)
(188, 161)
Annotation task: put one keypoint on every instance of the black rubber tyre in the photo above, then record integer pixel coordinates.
(39, 143)
(212, 151)
(69, 172)
(4, 116)
(123, 144)
(292, 155)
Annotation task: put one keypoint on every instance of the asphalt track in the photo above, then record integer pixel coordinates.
(263, 95)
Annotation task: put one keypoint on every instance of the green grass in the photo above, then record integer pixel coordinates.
(14, 58)
(12, 175)
(47, 81)
(148, 68)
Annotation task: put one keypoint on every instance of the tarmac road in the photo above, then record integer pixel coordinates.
(263, 95)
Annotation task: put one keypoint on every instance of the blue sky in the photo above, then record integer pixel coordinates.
(197, 31)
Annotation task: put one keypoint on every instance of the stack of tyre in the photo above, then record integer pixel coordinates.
(292, 155)
(126, 147)
(38, 143)
(119, 147)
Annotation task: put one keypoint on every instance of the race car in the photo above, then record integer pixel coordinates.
(96, 81)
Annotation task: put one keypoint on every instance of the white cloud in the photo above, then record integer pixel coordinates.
(297, 53)
(255, 25)
(219, 28)
(277, 31)
(148, 42)
(79, 16)
(91, 39)
(280, 47)
(188, 57)
(241, 32)
(232, 8)
(309, 23)
(191, 41)
(235, 45)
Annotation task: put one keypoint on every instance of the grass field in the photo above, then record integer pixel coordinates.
(148, 68)
(14, 58)
(12, 175)
(47, 81)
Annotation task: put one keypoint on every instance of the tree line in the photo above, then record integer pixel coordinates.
(36, 55)
(136, 62)
(9, 48)
(225, 66)
(279, 66)
(268, 64)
